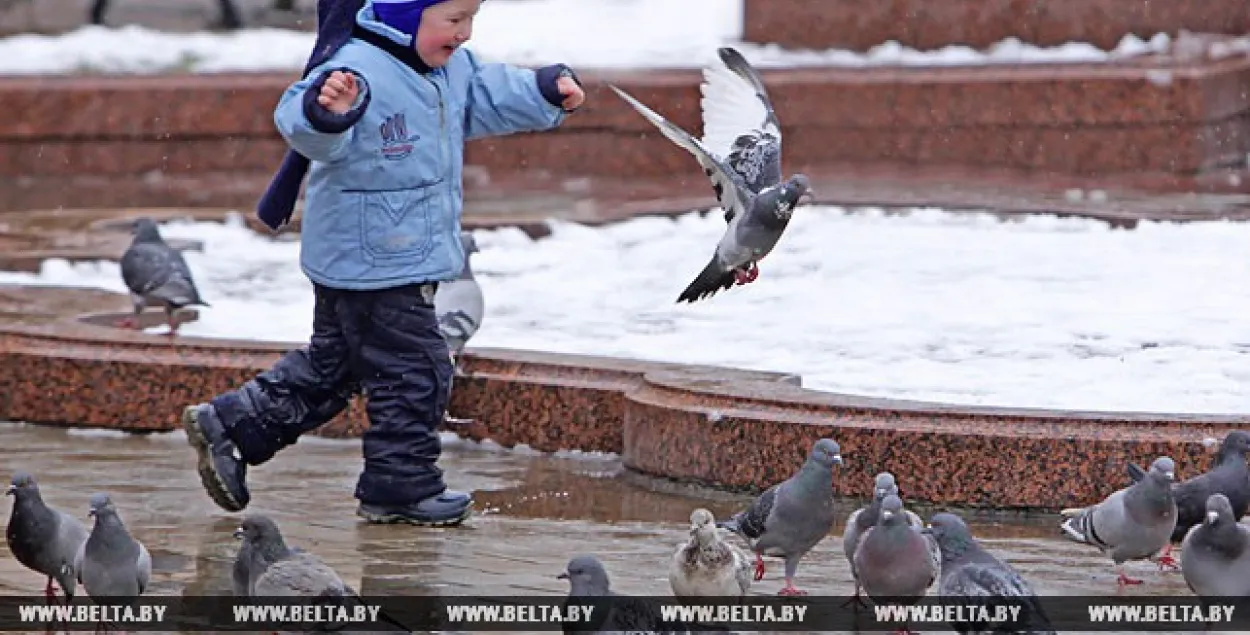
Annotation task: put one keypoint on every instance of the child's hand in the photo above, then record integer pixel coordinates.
(339, 92)
(573, 95)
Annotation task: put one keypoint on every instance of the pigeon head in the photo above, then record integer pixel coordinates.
(257, 528)
(795, 188)
(826, 453)
(100, 505)
(146, 231)
(1219, 510)
(1163, 469)
(22, 483)
(891, 510)
(1237, 442)
(950, 531)
(884, 485)
(703, 526)
(586, 576)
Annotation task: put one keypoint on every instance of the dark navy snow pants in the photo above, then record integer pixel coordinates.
(385, 342)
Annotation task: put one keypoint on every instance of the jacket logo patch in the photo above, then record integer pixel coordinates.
(396, 142)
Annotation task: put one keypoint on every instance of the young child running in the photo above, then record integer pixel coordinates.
(381, 120)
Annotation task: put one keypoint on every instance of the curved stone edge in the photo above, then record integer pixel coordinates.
(724, 427)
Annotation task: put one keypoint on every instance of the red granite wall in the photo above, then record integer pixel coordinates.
(209, 140)
(928, 24)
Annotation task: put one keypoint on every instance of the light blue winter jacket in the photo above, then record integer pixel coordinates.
(384, 196)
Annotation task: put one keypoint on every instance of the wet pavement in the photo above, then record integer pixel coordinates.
(536, 511)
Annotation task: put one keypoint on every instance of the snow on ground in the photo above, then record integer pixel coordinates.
(1048, 312)
(582, 33)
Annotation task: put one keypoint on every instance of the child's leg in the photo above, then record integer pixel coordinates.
(247, 426)
(403, 365)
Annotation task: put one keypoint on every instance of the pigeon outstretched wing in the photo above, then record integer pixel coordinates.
(730, 190)
(740, 126)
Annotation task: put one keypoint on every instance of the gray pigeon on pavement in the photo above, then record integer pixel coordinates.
(706, 565)
(588, 579)
(156, 273)
(111, 563)
(1216, 553)
(894, 559)
(1133, 523)
(459, 303)
(865, 518)
(1229, 475)
(971, 572)
(791, 517)
(43, 539)
(266, 567)
(741, 154)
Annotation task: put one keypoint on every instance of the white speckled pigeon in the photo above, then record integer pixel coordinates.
(791, 517)
(43, 539)
(865, 518)
(1133, 523)
(1229, 475)
(266, 567)
(158, 274)
(459, 303)
(741, 154)
(969, 572)
(111, 563)
(707, 565)
(894, 559)
(1216, 553)
(588, 579)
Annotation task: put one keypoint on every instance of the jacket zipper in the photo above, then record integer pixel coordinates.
(442, 132)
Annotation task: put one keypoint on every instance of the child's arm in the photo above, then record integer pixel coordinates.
(313, 129)
(504, 99)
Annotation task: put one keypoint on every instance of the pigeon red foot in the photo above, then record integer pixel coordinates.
(748, 275)
(1166, 560)
(790, 590)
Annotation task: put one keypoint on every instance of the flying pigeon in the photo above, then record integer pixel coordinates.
(1133, 523)
(266, 567)
(111, 563)
(791, 517)
(707, 565)
(587, 578)
(865, 518)
(158, 274)
(43, 539)
(741, 154)
(1216, 553)
(894, 559)
(459, 304)
(1229, 475)
(971, 572)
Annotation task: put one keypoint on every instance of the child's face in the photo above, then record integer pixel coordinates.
(444, 27)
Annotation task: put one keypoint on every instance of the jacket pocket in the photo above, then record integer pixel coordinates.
(398, 223)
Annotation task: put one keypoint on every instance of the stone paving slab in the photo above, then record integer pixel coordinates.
(537, 511)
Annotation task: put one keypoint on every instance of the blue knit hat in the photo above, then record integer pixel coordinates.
(402, 15)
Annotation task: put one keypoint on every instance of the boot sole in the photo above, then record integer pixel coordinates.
(397, 519)
(213, 484)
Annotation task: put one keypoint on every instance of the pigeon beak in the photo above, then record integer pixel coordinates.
(91, 512)
(11, 490)
(1171, 475)
(238, 534)
(563, 576)
(1212, 517)
(887, 514)
(837, 459)
(809, 195)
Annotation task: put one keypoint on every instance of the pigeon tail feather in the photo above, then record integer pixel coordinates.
(709, 281)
